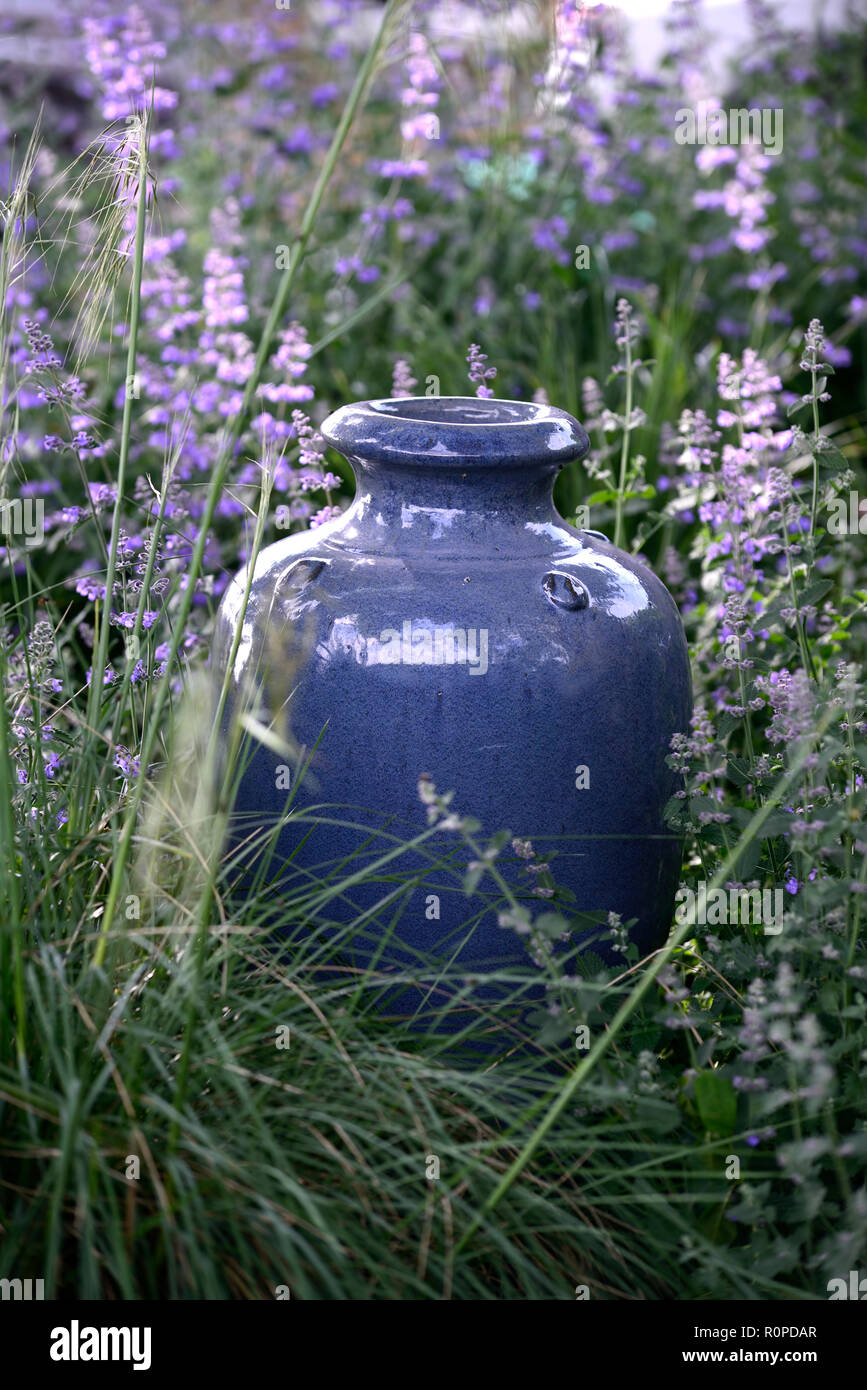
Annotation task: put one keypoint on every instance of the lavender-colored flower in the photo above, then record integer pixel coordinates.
(792, 698)
(399, 168)
(745, 198)
(223, 294)
(549, 236)
(420, 98)
(126, 763)
(123, 56)
(478, 373)
(290, 360)
(402, 380)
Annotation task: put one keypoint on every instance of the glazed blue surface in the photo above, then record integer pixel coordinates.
(453, 528)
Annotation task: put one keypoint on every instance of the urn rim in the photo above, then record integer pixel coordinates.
(456, 431)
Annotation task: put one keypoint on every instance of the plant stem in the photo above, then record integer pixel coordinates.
(624, 448)
(814, 506)
(100, 659)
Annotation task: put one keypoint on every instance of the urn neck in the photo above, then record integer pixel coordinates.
(452, 470)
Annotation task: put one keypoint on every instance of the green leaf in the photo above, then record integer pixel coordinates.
(831, 461)
(716, 1102)
(727, 723)
(552, 925)
(656, 1116)
(471, 879)
(748, 858)
(816, 591)
(739, 771)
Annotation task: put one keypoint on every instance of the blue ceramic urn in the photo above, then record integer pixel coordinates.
(451, 625)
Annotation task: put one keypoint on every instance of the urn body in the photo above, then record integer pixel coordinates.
(450, 624)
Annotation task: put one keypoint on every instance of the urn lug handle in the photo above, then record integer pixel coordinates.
(302, 572)
(565, 590)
